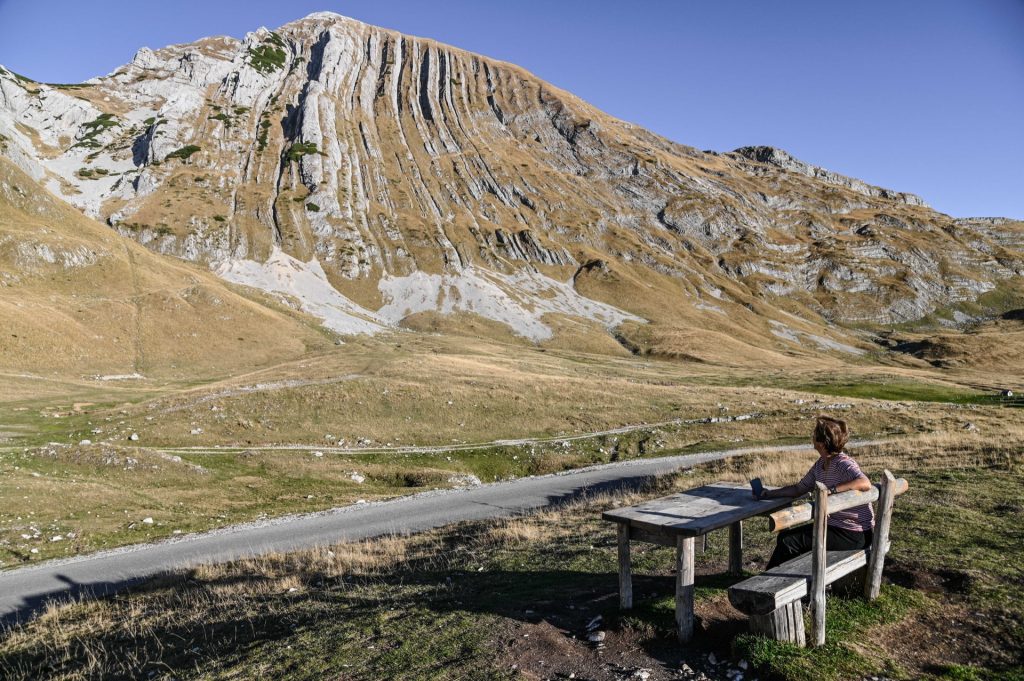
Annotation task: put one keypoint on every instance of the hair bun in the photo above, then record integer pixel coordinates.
(832, 433)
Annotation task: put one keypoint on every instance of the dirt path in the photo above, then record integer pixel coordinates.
(438, 449)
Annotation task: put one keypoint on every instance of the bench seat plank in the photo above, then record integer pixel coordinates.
(788, 582)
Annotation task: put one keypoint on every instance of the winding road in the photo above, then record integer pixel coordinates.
(23, 591)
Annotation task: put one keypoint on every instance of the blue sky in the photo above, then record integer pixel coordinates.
(924, 96)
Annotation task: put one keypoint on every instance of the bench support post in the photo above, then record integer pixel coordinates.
(684, 587)
(736, 548)
(880, 540)
(625, 569)
(818, 565)
(785, 624)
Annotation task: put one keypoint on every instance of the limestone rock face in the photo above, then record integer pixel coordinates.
(371, 156)
(781, 159)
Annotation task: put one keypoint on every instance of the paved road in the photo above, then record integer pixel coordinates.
(25, 590)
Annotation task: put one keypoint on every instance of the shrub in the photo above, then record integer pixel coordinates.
(268, 57)
(184, 153)
(300, 149)
(312, 207)
(261, 138)
(94, 128)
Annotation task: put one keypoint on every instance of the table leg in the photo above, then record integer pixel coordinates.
(625, 569)
(736, 548)
(684, 587)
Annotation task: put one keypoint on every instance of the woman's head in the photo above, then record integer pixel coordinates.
(830, 435)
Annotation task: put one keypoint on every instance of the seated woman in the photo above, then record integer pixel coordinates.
(847, 530)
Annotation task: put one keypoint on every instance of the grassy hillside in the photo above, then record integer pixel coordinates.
(77, 300)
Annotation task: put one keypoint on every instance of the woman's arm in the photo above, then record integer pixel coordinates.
(787, 491)
(860, 484)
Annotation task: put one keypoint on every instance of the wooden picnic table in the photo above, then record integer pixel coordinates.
(676, 520)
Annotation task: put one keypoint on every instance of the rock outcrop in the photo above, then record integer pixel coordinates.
(781, 159)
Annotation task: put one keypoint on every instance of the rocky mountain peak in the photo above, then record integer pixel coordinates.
(408, 176)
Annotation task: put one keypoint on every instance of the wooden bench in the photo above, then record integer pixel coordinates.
(772, 599)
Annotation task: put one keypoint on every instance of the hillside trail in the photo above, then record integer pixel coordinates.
(439, 449)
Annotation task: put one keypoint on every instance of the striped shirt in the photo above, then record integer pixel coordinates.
(842, 469)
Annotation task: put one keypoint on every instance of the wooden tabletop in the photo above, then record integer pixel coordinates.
(697, 511)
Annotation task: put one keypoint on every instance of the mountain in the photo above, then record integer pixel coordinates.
(76, 298)
(383, 179)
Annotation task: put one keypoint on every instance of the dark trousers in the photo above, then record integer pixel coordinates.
(793, 542)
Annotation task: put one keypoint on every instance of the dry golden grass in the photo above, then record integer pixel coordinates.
(77, 299)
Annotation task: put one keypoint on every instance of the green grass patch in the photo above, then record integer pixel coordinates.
(269, 56)
(183, 153)
(264, 131)
(20, 78)
(964, 525)
(899, 390)
(93, 129)
(299, 149)
(848, 619)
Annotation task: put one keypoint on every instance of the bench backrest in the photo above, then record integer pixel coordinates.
(821, 505)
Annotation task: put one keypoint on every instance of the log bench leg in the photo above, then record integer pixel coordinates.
(736, 548)
(880, 542)
(625, 569)
(785, 624)
(684, 587)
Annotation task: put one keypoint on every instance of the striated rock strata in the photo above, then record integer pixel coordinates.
(450, 181)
